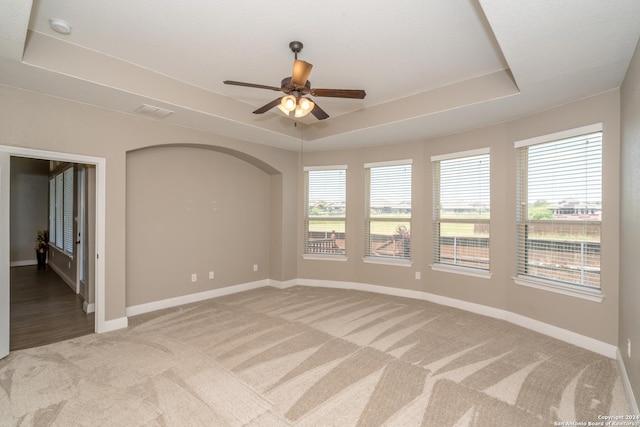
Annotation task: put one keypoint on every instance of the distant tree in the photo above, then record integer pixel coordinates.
(540, 210)
(319, 208)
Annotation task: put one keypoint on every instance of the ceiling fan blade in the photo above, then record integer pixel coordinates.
(231, 82)
(301, 71)
(268, 106)
(319, 113)
(339, 93)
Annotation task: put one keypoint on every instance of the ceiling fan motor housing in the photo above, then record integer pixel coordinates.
(287, 87)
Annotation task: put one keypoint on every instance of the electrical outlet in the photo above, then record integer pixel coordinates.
(194, 277)
(629, 347)
(417, 275)
(211, 275)
(255, 267)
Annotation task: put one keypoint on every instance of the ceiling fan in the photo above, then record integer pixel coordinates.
(294, 103)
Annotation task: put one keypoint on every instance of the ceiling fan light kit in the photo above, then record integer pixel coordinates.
(295, 87)
(288, 103)
(304, 107)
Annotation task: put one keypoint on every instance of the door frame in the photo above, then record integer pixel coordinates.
(80, 238)
(99, 280)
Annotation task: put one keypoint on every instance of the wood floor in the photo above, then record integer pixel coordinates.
(44, 309)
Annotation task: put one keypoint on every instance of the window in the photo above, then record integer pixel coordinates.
(325, 210)
(461, 211)
(61, 210)
(559, 209)
(388, 211)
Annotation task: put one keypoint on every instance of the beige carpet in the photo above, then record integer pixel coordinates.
(309, 357)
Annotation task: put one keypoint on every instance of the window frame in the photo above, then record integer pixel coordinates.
(379, 259)
(307, 217)
(583, 291)
(437, 220)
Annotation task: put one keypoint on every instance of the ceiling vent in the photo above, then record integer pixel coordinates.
(150, 110)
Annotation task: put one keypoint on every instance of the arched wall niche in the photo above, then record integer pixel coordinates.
(260, 164)
(199, 210)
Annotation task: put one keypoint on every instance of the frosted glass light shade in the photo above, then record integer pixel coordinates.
(288, 103)
(304, 107)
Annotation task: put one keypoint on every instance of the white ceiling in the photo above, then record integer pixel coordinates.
(429, 67)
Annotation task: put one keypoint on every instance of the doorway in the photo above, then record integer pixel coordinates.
(50, 301)
(98, 241)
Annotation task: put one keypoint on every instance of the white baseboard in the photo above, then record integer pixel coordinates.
(570, 337)
(88, 308)
(588, 343)
(200, 296)
(112, 325)
(23, 263)
(600, 347)
(597, 346)
(282, 285)
(633, 403)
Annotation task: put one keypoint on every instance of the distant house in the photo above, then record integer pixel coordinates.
(459, 207)
(575, 209)
(388, 207)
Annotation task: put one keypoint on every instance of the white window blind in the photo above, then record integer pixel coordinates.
(559, 210)
(388, 210)
(461, 209)
(325, 210)
(68, 210)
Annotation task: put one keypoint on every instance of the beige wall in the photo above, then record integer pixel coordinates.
(194, 210)
(593, 319)
(630, 223)
(39, 122)
(29, 207)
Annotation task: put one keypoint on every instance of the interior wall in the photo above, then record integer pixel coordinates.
(193, 211)
(41, 122)
(593, 319)
(29, 207)
(630, 224)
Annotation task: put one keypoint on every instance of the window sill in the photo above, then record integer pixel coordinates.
(320, 257)
(61, 251)
(388, 261)
(559, 288)
(474, 272)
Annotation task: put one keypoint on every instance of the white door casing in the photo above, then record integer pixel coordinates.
(5, 162)
(100, 165)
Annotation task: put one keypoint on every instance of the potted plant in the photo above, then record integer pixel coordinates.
(42, 247)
